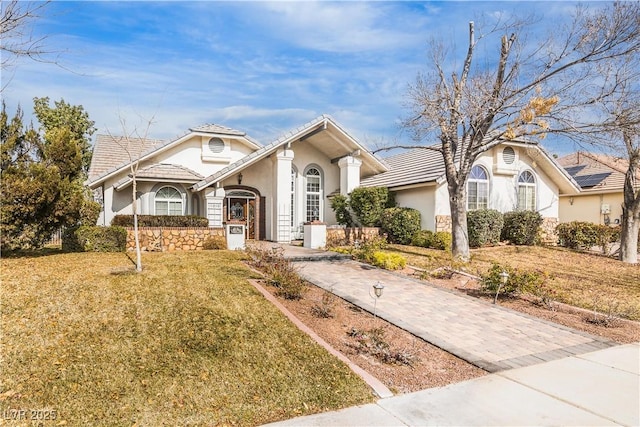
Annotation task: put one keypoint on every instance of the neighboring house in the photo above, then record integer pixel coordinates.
(223, 174)
(513, 175)
(601, 181)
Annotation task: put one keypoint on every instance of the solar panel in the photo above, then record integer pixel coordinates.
(591, 180)
(573, 170)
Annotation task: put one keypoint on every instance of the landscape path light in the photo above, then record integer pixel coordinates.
(377, 293)
(504, 277)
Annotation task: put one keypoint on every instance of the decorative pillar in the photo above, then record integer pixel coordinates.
(215, 203)
(349, 174)
(281, 213)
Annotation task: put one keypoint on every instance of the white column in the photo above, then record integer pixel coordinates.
(349, 174)
(214, 208)
(281, 214)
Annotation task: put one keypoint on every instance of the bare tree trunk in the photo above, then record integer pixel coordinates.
(135, 221)
(630, 208)
(459, 233)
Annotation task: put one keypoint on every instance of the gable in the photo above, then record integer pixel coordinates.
(111, 154)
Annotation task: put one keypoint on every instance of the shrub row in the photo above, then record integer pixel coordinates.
(161, 221)
(584, 235)
(488, 227)
(94, 239)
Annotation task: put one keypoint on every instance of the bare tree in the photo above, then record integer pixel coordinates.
(518, 95)
(16, 36)
(133, 143)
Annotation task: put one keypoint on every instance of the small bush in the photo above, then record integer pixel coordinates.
(517, 282)
(577, 235)
(388, 261)
(521, 227)
(400, 224)
(372, 342)
(442, 240)
(324, 309)
(581, 235)
(161, 221)
(214, 243)
(368, 203)
(484, 227)
(340, 206)
(280, 271)
(95, 239)
(422, 239)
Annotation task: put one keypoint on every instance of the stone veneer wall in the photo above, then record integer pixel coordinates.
(443, 223)
(169, 239)
(341, 236)
(548, 233)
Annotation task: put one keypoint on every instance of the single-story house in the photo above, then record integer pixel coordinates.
(511, 176)
(601, 180)
(223, 175)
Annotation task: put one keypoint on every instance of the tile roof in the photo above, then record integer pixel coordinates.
(213, 128)
(596, 172)
(411, 167)
(163, 171)
(110, 153)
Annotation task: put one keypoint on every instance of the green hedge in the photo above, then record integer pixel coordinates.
(521, 227)
(440, 240)
(368, 204)
(95, 239)
(400, 224)
(584, 235)
(161, 221)
(484, 227)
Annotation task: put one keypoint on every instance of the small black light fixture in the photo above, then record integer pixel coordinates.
(240, 178)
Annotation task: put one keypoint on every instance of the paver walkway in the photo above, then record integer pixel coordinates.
(489, 336)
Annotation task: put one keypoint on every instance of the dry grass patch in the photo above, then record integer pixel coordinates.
(583, 280)
(186, 342)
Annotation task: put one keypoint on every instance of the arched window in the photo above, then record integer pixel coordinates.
(527, 191)
(478, 189)
(168, 201)
(314, 194)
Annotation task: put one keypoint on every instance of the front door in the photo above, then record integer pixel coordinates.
(242, 207)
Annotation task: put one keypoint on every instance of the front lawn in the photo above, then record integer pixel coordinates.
(583, 280)
(186, 342)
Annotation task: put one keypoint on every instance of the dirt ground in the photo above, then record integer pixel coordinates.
(411, 363)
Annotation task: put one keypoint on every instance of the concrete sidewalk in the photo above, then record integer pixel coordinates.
(594, 389)
(489, 336)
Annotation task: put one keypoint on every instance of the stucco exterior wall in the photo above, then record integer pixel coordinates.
(422, 199)
(587, 207)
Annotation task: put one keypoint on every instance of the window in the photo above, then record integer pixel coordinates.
(314, 193)
(527, 191)
(478, 189)
(169, 202)
(508, 155)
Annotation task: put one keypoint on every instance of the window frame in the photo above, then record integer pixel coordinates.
(168, 201)
(315, 194)
(476, 182)
(527, 187)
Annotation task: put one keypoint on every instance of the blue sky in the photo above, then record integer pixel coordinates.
(261, 67)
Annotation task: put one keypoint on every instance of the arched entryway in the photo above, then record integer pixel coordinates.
(244, 204)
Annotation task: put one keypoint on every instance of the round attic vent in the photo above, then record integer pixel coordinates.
(508, 155)
(216, 145)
